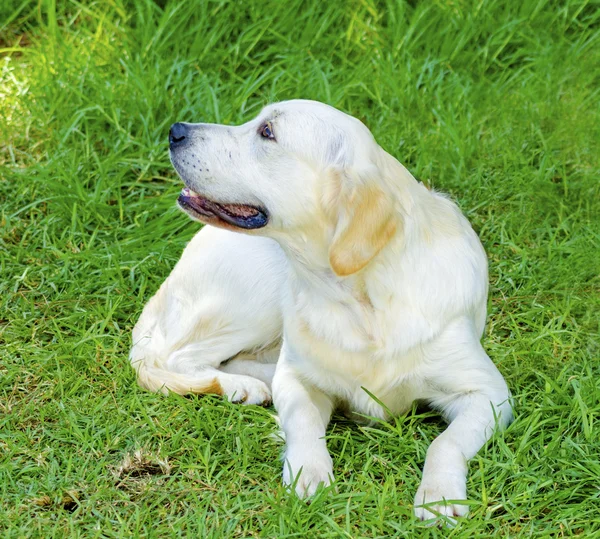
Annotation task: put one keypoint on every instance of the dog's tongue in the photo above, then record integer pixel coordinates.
(198, 202)
(241, 215)
(240, 210)
(194, 200)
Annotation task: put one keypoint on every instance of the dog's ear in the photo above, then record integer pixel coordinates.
(366, 222)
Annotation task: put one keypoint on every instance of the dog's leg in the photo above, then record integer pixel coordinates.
(474, 397)
(250, 367)
(211, 309)
(165, 365)
(304, 412)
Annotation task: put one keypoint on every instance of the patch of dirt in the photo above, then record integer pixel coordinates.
(69, 501)
(142, 463)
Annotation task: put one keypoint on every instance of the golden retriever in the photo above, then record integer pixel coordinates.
(350, 279)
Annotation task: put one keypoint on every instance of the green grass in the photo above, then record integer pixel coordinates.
(496, 102)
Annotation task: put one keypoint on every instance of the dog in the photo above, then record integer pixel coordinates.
(327, 272)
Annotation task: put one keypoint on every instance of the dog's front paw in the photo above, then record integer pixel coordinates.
(314, 469)
(246, 390)
(438, 495)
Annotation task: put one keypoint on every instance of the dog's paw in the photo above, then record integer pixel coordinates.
(439, 497)
(246, 390)
(314, 470)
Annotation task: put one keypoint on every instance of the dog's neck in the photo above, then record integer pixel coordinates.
(312, 274)
(307, 247)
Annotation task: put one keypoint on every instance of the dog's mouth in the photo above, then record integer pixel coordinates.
(238, 215)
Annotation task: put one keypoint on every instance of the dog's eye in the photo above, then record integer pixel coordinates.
(266, 131)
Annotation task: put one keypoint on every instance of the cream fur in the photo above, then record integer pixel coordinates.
(363, 278)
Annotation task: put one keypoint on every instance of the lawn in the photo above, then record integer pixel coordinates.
(495, 102)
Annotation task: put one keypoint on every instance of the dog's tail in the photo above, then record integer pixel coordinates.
(157, 379)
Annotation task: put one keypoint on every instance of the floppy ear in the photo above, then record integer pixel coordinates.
(366, 223)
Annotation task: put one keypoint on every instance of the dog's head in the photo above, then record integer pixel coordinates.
(300, 169)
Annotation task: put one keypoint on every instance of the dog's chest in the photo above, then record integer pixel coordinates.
(340, 346)
(347, 322)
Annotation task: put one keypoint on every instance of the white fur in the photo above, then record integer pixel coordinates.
(211, 309)
(406, 326)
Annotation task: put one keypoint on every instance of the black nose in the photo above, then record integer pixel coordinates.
(177, 134)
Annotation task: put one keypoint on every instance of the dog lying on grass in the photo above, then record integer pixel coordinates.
(350, 279)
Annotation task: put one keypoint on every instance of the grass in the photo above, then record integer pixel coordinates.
(496, 102)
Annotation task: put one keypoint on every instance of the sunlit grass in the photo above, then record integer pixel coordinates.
(495, 102)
